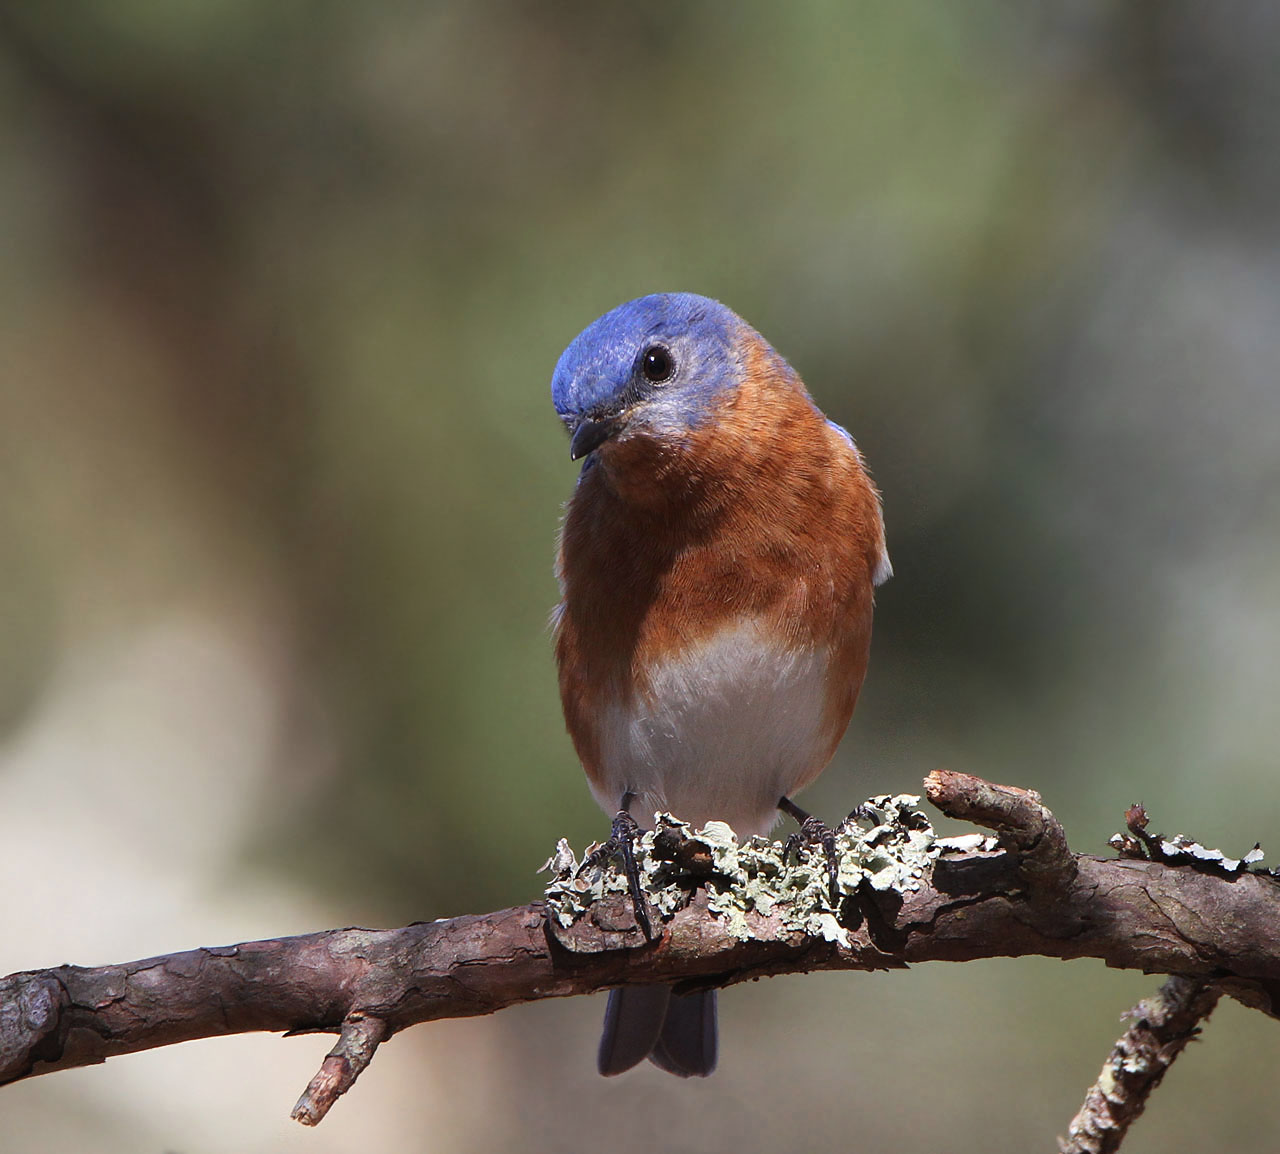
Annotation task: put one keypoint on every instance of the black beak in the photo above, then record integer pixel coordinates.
(592, 432)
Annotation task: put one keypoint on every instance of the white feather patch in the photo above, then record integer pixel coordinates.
(730, 726)
(884, 567)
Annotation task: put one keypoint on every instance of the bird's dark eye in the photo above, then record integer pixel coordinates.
(657, 364)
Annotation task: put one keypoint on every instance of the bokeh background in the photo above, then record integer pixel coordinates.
(281, 288)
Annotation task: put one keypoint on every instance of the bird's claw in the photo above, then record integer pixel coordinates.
(814, 832)
(621, 844)
(863, 811)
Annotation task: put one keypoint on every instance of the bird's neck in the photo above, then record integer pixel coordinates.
(765, 434)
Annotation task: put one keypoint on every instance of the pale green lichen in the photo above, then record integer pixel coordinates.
(1107, 1081)
(1181, 850)
(891, 847)
(1135, 1064)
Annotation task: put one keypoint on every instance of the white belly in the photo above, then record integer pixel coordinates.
(730, 726)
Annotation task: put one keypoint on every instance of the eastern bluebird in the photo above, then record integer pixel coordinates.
(716, 565)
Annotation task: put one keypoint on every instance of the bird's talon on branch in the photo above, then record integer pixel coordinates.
(860, 813)
(625, 832)
(621, 846)
(815, 833)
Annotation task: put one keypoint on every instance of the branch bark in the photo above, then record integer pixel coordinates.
(1162, 1027)
(1029, 895)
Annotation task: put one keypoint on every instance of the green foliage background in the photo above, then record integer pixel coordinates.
(281, 289)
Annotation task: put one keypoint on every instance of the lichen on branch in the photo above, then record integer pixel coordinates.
(888, 845)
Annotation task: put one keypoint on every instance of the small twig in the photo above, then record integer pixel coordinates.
(1179, 850)
(1022, 822)
(343, 1064)
(1163, 1025)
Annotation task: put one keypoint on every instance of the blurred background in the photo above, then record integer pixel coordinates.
(281, 289)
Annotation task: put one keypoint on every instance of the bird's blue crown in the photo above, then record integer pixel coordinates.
(670, 353)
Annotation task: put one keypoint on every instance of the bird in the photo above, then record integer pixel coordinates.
(717, 563)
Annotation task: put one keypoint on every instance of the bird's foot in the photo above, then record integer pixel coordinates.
(863, 811)
(622, 844)
(814, 833)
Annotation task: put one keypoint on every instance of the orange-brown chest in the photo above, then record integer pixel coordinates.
(773, 523)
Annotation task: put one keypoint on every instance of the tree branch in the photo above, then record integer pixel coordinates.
(359, 1041)
(907, 896)
(1162, 1026)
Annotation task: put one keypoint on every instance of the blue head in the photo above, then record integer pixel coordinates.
(654, 365)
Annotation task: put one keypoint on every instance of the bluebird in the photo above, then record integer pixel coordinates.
(717, 565)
